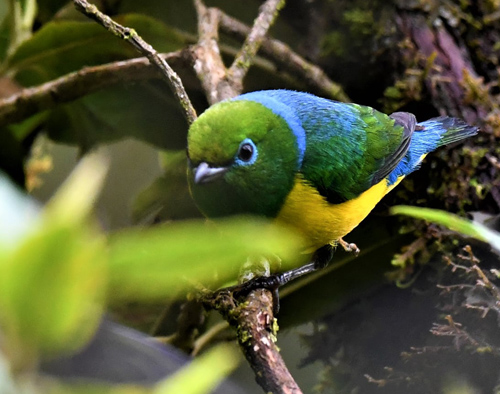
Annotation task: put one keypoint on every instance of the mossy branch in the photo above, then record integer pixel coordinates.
(256, 330)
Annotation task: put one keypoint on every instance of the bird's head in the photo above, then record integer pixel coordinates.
(242, 159)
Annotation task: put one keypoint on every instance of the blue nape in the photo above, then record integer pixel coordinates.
(275, 104)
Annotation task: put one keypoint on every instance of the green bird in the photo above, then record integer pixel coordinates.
(317, 165)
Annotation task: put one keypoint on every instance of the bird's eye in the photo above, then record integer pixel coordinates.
(247, 152)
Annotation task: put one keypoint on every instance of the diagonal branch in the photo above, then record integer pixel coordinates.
(131, 36)
(78, 84)
(285, 58)
(243, 60)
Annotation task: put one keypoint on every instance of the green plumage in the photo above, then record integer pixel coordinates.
(343, 165)
(215, 138)
(246, 153)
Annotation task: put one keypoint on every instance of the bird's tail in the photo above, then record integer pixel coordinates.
(449, 129)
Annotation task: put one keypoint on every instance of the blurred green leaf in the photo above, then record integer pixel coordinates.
(52, 289)
(167, 198)
(203, 374)
(17, 25)
(63, 46)
(47, 8)
(147, 112)
(151, 264)
(52, 284)
(5, 20)
(75, 198)
(453, 222)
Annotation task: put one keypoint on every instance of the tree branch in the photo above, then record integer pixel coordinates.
(131, 36)
(253, 319)
(284, 57)
(243, 60)
(77, 84)
(256, 330)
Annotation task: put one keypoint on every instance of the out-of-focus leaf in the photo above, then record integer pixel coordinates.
(151, 264)
(16, 25)
(200, 376)
(179, 14)
(75, 198)
(4, 29)
(52, 289)
(167, 198)
(52, 283)
(23, 129)
(453, 222)
(64, 46)
(146, 112)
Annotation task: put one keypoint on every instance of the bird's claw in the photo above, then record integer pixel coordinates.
(349, 247)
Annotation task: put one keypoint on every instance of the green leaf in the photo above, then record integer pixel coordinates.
(52, 283)
(453, 222)
(61, 47)
(52, 288)
(203, 374)
(167, 198)
(147, 112)
(152, 264)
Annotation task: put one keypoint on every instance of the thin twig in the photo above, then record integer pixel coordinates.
(267, 15)
(285, 58)
(131, 36)
(30, 101)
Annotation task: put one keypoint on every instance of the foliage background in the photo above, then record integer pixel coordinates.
(396, 55)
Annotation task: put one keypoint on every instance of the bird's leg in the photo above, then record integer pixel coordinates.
(272, 283)
(348, 247)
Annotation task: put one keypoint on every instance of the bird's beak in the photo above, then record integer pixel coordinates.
(204, 173)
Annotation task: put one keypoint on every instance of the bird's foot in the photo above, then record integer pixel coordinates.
(348, 247)
(273, 282)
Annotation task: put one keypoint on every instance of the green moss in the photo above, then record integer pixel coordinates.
(333, 44)
(361, 21)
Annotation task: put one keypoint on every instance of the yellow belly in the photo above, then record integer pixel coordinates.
(322, 222)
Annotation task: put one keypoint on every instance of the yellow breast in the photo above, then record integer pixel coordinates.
(322, 222)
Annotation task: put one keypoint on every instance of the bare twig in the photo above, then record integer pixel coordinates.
(77, 84)
(287, 59)
(131, 36)
(243, 60)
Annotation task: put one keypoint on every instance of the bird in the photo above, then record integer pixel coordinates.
(317, 165)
